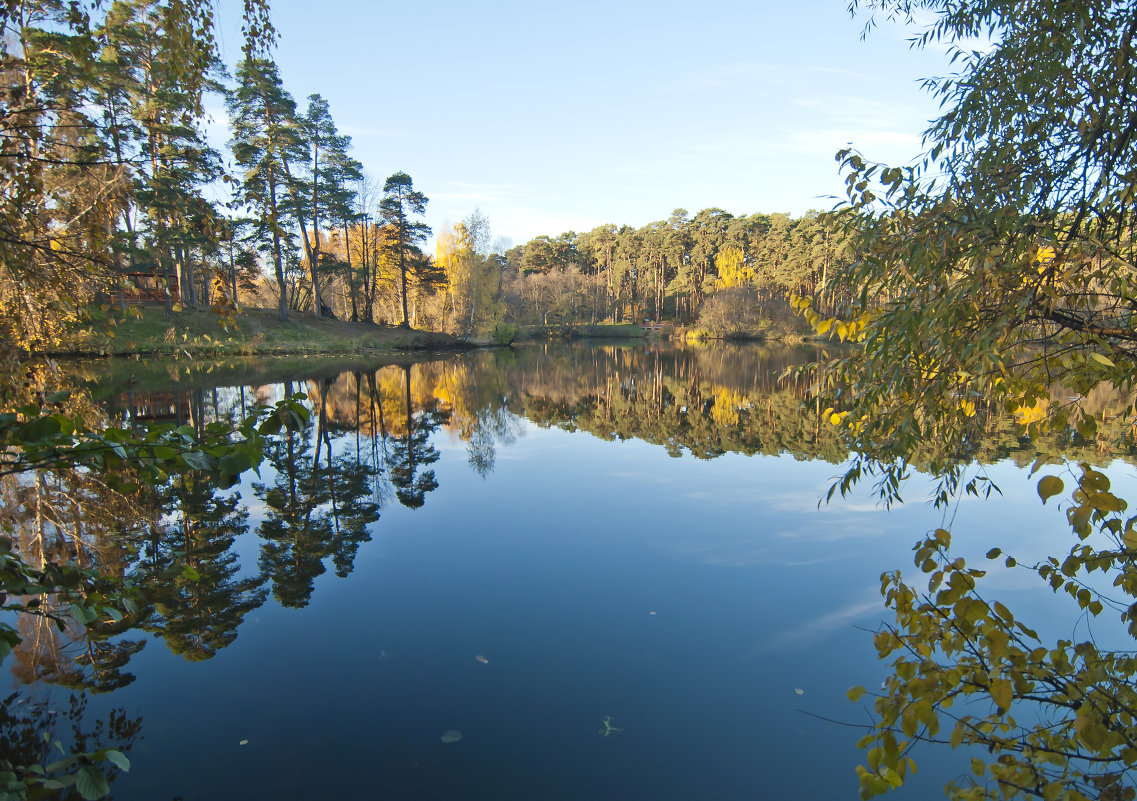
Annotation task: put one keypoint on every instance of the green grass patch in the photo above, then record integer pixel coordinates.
(598, 330)
(613, 330)
(147, 330)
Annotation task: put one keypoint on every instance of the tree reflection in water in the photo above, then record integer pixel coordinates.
(318, 506)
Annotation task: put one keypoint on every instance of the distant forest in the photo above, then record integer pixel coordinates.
(715, 269)
(720, 272)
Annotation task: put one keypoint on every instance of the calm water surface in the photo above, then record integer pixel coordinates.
(604, 566)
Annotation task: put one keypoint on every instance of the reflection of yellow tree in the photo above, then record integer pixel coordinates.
(727, 405)
(71, 517)
(371, 403)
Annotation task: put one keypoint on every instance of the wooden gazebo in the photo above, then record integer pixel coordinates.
(150, 287)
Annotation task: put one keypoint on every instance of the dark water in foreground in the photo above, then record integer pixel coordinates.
(606, 568)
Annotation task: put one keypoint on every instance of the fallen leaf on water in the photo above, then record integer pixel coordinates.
(482, 659)
(799, 691)
(451, 736)
(243, 742)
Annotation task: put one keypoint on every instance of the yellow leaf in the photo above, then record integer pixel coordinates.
(1130, 539)
(1002, 692)
(1048, 486)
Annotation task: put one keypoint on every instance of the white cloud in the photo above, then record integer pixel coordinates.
(802, 635)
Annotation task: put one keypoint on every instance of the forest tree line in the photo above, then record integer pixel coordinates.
(722, 272)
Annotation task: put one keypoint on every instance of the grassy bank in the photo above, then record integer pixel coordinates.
(599, 330)
(258, 332)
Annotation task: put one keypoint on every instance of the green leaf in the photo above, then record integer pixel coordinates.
(1097, 357)
(1049, 486)
(91, 783)
(118, 759)
(854, 693)
(197, 460)
(39, 429)
(82, 614)
(234, 464)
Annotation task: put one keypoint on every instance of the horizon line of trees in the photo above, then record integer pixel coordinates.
(721, 271)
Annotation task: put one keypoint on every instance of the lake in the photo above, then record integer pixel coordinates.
(557, 572)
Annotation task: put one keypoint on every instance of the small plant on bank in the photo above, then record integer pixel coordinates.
(505, 334)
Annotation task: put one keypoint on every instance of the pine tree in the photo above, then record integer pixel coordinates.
(265, 144)
(400, 201)
(323, 193)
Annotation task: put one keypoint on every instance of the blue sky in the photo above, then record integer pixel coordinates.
(555, 117)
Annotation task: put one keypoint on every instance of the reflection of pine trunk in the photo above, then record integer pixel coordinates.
(290, 465)
(378, 430)
(321, 429)
(358, 420)
(197, 411)
(332, 486)
(324, 440)
(410, 420)
(39, 525)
